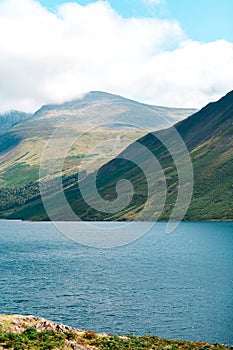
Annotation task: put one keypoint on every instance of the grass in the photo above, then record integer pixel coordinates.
(30, 338)
(22, 164)
(208, 137)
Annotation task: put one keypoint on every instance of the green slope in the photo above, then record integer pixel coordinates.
(93, 118)
(208, 137)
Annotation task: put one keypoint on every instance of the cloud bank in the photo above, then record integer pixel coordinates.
(50, 57)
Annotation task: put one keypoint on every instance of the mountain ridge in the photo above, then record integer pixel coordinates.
(208, 136)
(11, 118)
(95, 94)
(97, 116)
(212, 157)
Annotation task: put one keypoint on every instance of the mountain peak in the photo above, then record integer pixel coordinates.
(11, 118)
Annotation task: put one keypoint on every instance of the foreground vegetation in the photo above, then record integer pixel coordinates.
(54, 336)
(32, 339)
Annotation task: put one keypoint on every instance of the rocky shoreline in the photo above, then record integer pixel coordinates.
(18, 332)
(19, 323)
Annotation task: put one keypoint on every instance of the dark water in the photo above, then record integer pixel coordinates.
(175, 286)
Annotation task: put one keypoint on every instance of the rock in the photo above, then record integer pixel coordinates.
(18, 323)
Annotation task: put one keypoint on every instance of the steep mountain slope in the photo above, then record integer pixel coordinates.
(92, 118)
(7, 120)
(208, 135)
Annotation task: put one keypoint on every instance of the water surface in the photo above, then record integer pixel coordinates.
(175, 286)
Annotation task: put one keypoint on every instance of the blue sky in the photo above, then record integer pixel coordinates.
(204, 20)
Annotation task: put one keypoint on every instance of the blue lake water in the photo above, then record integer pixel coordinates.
(175, 286)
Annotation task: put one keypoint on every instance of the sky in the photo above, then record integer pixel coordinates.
(165, 52)
(203, 20)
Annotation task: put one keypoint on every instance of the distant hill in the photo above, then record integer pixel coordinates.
(98, 115)
(96, 108)
(9, 119)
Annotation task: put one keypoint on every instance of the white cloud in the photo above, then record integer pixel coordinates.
(47, 57)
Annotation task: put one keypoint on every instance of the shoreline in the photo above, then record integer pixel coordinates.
(119, 221)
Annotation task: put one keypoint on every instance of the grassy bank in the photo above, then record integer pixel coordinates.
(28, 332)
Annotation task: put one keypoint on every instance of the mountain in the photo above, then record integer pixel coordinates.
(92, 118)
(95, 108)
(9, 119)
(207, 135)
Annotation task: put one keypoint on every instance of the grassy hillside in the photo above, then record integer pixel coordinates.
(92, 119)
(208, 137)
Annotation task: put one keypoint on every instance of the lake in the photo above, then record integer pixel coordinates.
(175, 285)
